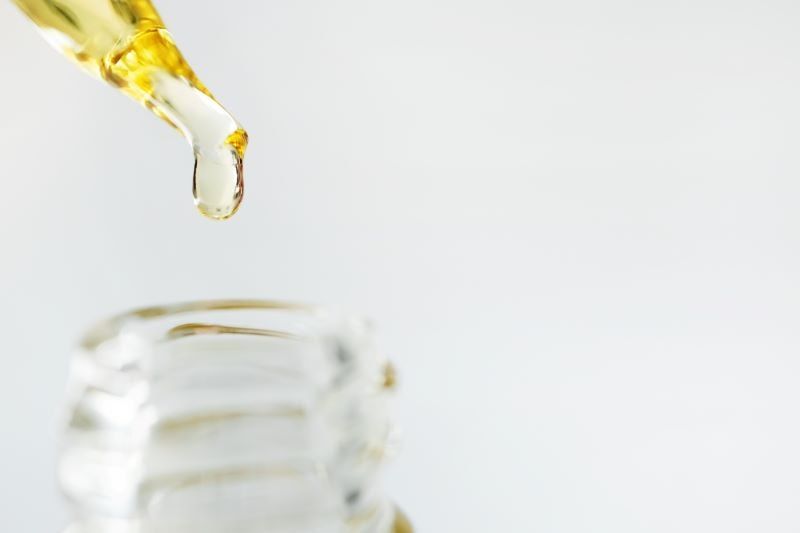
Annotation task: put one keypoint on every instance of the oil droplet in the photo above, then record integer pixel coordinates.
(218, 184)
(218, 187)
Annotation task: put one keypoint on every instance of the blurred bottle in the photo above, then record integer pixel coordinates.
(228, 417)
(125, 43)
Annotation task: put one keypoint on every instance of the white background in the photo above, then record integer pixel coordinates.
(575, 222)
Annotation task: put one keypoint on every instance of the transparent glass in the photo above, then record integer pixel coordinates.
(228, 417)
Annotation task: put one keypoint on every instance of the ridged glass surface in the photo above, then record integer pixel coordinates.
(234, 417)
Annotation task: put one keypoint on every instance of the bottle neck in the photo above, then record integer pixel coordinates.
(208, 424)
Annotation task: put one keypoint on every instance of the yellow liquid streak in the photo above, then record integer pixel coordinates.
(125, 43)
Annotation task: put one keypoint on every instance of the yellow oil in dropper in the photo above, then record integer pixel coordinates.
(125, 43)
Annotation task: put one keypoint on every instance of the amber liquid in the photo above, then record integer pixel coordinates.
(125, 43)
(401, 524)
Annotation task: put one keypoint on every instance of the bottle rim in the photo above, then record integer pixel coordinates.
(111, 327)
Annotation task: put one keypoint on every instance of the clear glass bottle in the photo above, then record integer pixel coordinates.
(228, 417)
